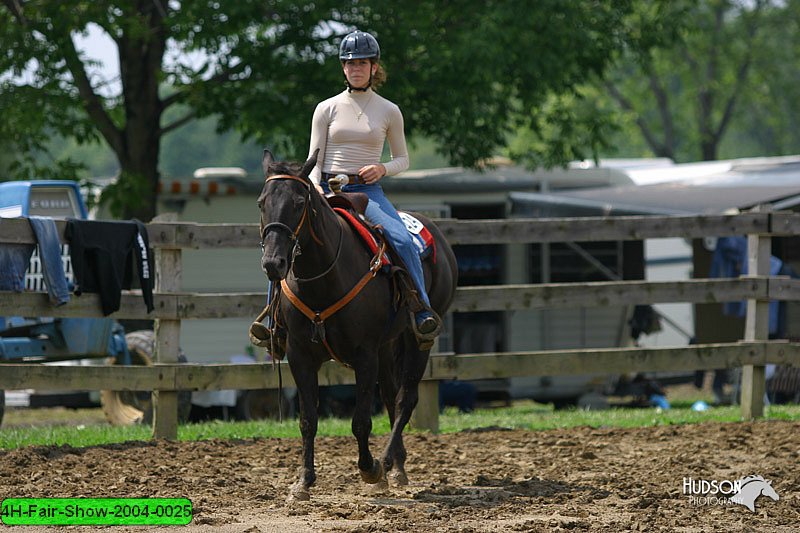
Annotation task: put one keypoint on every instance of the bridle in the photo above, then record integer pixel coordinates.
(293, 233)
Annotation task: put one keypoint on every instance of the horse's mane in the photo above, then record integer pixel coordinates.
(748, 479)
(284, 167)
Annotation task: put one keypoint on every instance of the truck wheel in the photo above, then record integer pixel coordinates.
(261, 404)
(125, 408)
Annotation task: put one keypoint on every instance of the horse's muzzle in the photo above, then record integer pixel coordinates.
(276, 268)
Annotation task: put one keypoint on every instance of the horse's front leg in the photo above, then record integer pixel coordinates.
(305, 376)
(366, 379)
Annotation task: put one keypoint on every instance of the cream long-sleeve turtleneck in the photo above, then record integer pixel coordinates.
(350, 130)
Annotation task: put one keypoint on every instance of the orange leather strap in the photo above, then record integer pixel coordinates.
(320, 317)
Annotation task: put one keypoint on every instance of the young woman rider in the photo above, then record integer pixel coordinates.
(350, 130)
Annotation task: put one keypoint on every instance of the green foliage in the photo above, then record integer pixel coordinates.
(474, 79)
(719, 84)
(468, 75)
(261, 67)
(565, 128)
(126, 194)
(201, 145)
(767, 117)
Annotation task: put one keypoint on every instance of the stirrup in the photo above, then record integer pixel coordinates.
(273, 340)
(425, 340)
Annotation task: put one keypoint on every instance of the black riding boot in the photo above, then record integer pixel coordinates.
(273, 339)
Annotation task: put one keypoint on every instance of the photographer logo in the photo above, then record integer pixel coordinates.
(742, 491)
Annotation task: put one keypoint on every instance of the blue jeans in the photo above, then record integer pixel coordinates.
(14, 260)
(381, 211)
(50, 257)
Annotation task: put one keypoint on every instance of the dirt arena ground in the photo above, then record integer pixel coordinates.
(478, 481)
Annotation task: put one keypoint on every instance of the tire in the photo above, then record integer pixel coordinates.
(261, 404)
(125, 408)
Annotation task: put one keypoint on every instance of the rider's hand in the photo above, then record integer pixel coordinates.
(372, 173)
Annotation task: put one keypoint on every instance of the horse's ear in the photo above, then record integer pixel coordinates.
(308, 165)
(266, 160)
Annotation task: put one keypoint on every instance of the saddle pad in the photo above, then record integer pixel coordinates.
(423, 239)
(421, 236)
(363, 232)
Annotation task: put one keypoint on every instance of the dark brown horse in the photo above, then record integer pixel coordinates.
(321, 260)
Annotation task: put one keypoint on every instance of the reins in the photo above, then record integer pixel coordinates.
(330, 267)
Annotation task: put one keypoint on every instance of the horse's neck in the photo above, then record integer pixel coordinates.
(318, 261)
(754, 486)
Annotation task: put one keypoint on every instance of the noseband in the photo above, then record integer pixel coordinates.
(293, 233)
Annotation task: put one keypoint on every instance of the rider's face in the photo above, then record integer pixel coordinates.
(357, 71)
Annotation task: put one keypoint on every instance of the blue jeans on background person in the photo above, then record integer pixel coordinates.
(50, 257)
(380, 211)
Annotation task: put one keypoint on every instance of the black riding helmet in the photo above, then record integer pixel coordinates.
(359, 45)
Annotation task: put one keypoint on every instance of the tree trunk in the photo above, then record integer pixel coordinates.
(139, 177)
(708, 149)
(141, 55)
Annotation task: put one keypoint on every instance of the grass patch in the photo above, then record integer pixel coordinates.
(535, 417)
(523, 415)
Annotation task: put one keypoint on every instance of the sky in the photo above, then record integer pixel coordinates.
(98, 46)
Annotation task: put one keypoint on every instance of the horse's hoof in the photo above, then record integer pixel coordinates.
(298, 495)
(399, 478)
(381, 487)
(373, 476)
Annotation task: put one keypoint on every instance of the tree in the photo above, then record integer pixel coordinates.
(683, 95)
(765, 122)
(465, 72)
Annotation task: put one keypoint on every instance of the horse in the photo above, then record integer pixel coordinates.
(349, 316)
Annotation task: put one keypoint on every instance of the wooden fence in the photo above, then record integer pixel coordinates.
(171, 306)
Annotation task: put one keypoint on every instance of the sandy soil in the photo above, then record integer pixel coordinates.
(478, 481)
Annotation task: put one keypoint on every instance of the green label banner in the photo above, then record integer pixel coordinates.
(96, 511)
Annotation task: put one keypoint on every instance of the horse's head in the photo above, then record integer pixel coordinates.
(286, 211)
(767, 490)
(751, 488)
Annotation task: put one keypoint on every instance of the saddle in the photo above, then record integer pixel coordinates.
(356, 202)
(349, 206)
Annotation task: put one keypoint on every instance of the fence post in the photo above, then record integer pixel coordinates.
(168, 332)
(759, 250)
(426, 414)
